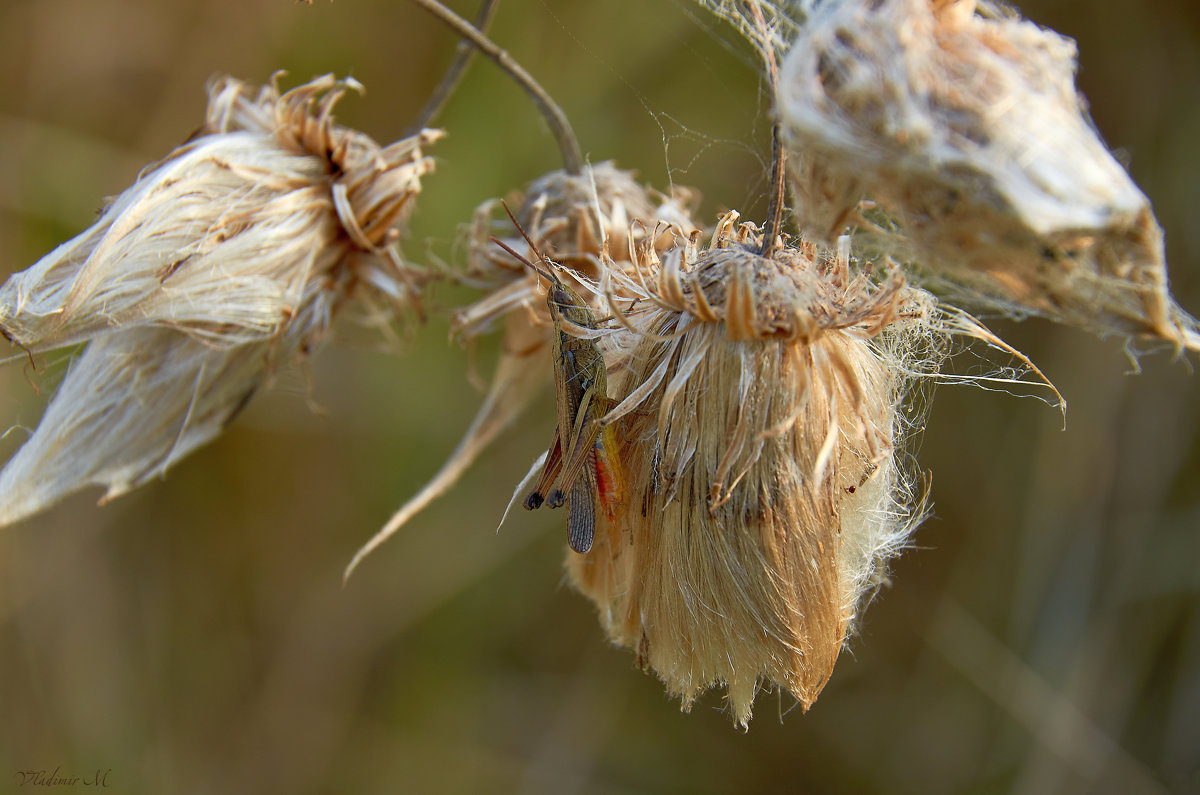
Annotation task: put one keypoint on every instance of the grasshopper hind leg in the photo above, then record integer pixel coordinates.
(550, 472)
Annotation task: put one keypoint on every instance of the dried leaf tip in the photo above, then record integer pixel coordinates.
(224, 260)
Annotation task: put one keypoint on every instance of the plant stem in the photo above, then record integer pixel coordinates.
(556, 120)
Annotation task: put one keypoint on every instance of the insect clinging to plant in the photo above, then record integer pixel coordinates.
(580, 469)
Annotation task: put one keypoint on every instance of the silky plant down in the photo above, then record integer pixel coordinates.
(223, 262)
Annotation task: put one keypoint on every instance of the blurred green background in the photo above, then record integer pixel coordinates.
(1042, 636)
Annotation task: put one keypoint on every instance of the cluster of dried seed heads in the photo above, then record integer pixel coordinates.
(755, 390)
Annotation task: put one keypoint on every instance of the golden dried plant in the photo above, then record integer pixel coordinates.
(759, 420)
(760, 390)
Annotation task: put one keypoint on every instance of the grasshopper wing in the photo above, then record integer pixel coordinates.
(581, 519)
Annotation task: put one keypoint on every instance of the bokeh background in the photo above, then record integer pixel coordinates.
(1043, 635)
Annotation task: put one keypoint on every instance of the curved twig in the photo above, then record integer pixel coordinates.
(556, 120)
(454, 73)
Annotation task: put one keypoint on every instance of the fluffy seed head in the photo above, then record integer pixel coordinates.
(570, 219)
(224, 259)
(962, 122)
(758, 436)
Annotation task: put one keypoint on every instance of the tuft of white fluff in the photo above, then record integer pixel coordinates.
(951, 134)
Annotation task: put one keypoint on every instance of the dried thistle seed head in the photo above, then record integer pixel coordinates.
(963, 123)
(224, 259)
(574, 220)
(570, 218)
(758, 440)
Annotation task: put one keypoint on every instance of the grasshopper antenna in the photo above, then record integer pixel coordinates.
(532, 246)
(555, 119)
(454, 73)
(547, 276)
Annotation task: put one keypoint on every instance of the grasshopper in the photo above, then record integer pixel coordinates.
(580, 467)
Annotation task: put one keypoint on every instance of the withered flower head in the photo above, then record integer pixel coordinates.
(575, 219)
(960, 122)
(757, 438)
(222, 261)
(570, 219)
(573, 215)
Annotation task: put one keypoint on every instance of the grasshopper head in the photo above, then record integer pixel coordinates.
(563, 300)
(566, 304)
(561, 296)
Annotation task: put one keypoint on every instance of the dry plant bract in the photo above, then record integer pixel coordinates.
(961, 123)
(758, 429)
(223, 261)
